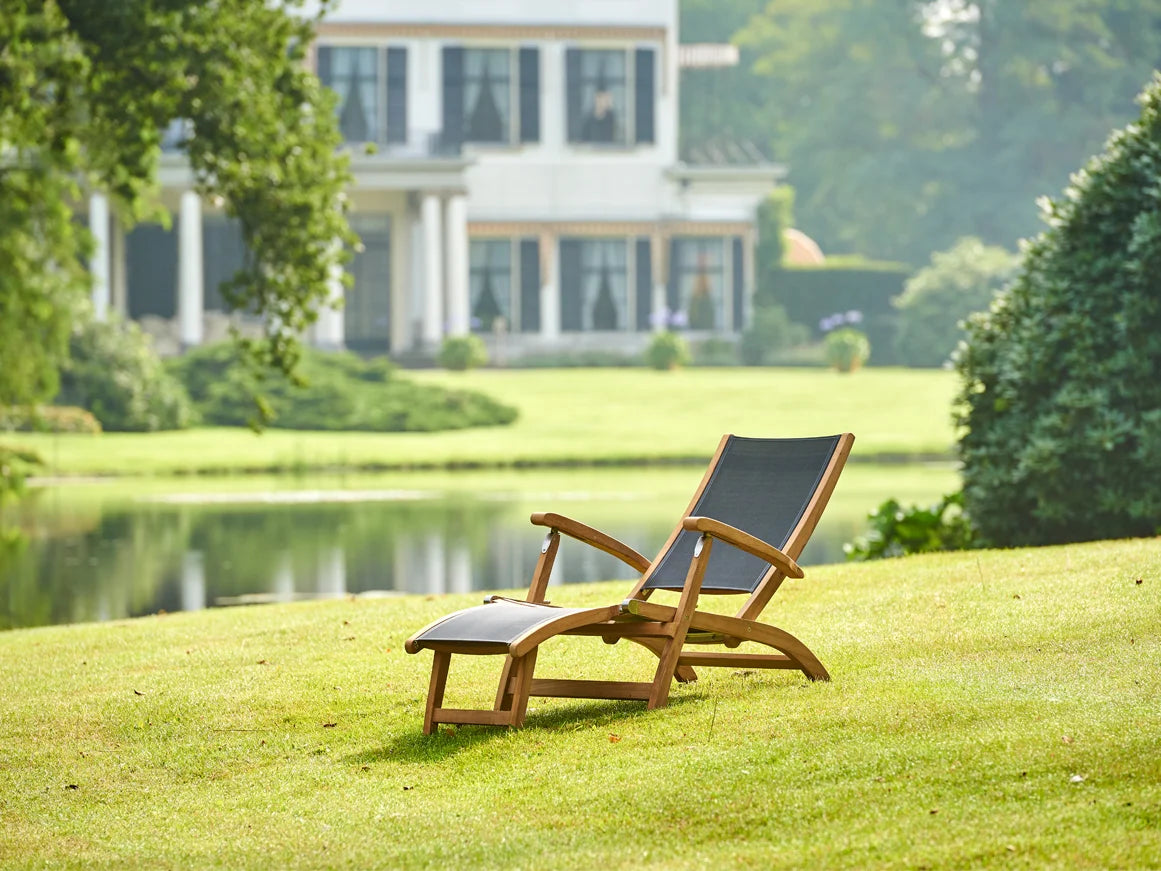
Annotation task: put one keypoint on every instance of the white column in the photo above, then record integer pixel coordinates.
(99, 263)
(120, 289)
(432, 270)
(434, 563)
(549, 282)
(456, 240)
(190, 283)
(552, 107)
(331, 328)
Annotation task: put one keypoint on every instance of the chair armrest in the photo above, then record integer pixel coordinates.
(596, 538)
(744, 541)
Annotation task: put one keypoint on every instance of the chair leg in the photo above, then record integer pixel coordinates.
(439, 669)
(663, 677)
(683, 673)
(503, 694)
(522, 671)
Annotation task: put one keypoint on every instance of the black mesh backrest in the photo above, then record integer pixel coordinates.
(760, 486)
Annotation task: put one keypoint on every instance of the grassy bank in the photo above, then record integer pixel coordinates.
(570, 416)
(988, 710)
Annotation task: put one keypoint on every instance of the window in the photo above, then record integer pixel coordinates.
(367, 308)
(610, 95)
(371, 84)
(491, 95)
(594, 284)
(487, 95)
(701, 281)
(490, 283)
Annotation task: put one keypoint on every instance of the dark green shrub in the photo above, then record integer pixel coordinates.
(49, 418)
(16, 464)
(114, 373)
(811, 294)
(667, 350)
(846, 349)
(460, 353)
(958, 282)
(771, 334)
(341, 392)
(897, 531)
(1060, 398)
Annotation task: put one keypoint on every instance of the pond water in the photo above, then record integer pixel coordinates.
(103, 551)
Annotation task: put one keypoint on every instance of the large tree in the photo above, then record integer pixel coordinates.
(907, 124)
(1060, 401)
(86, 89)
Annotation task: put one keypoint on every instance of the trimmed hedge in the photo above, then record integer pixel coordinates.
(811, 293)
(341, 392)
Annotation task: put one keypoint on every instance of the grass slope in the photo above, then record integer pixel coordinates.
(988, 710)
(566, 416)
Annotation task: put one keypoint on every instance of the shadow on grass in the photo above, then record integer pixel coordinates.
(415, 747)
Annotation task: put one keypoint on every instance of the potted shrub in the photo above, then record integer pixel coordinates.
(847, 349)
(668, 350)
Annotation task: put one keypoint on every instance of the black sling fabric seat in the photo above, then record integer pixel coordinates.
(759, 501)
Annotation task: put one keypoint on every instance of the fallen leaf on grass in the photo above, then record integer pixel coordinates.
(1076, 778)
(72, 786)
(329, 725)
(1067, 739)
(138, 693)
(614, 739)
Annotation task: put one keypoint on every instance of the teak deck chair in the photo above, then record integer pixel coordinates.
(761, 498)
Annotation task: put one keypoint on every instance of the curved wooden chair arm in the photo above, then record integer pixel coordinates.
(744, 541)
(596, 538)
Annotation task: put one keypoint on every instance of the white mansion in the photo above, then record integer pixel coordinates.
(516, 173)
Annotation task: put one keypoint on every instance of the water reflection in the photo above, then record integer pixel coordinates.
(99, 559)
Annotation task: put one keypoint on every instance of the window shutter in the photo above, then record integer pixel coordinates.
(323, 64)
(570, 285)
(396, 94)
(529, 285)
(739, 286)
(671, 295)
(644, 283)
(529, 95)
(572, 89)
(644, 93)
(453, 96)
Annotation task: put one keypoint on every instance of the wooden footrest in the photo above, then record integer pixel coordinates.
(591, 689)
(738, 660)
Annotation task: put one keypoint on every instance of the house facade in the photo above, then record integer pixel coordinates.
(516, 174)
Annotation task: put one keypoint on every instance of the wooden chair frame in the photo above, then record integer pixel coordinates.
(664, 630)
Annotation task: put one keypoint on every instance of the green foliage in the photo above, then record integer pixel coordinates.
(113, 372)
(667, 350)
(847, 349)
(340, 391)
(49, 418)
(85, 92)
(1060, 402)
(775, 216)
(16, 464)
(957, 283)
(811, 294)
(578, 359)
(909, 125)
(771, 333)
(715, 351)
(461, 353)
(898, 531)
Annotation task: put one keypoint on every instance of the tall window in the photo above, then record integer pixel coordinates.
(598, 97)
(367, 310)
(610, 95)
(487, 95)
(701, 282)
(594, 285)
(371, 84)
(490, 278)
(354, 76)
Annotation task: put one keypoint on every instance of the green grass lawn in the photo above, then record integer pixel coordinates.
(988, 710)
(567, 416)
